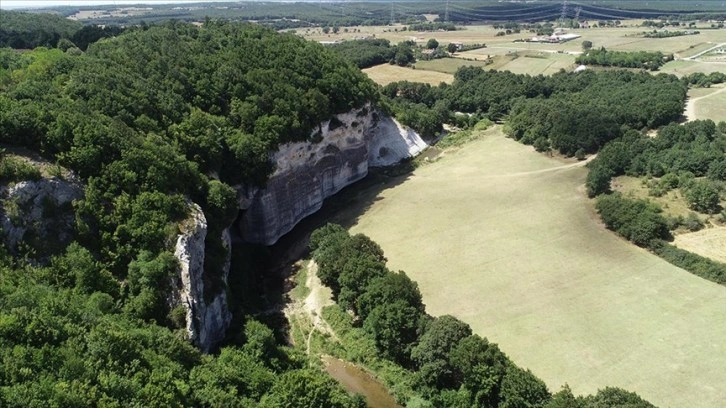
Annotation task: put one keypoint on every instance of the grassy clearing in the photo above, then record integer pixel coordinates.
(385, 74)
(710, 242)
(509, 244)
(672, 202)
(461, 137)
(447, 65)
(712, 107)
(681, 68)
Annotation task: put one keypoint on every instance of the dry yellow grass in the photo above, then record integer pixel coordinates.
(673, 203)
(683, 67)
(385, 74)
(503, 238)
(712, 106)
(709, 242)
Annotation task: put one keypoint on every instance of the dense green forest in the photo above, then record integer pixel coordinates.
(147, 120)
(369, 52)
(30, 30)
(569, 112)
(449, 365)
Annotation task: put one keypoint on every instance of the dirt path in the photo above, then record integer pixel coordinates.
(690, 112)
(312, 306)
(574, 165)
(693, 57)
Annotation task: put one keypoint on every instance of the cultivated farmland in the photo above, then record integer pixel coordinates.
(503, 238)
(385, 74)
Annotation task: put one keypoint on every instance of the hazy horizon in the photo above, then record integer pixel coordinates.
(23, 4)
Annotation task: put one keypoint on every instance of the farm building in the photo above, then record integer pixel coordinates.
(554, 38)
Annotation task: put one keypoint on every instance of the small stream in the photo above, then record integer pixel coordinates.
(357, 381)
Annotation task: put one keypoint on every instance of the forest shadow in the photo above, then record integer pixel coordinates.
(262, 278)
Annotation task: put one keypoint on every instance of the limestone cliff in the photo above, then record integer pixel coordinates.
(38, 213)
(206, 321)
(308, 172)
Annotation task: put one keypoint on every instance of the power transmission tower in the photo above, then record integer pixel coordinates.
(563, 15)
(578, 10)
(446, 15)
(393, 20)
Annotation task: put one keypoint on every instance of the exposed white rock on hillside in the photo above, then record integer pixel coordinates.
(308, 172)
(42, 208)
(392, 142)
(206, 322)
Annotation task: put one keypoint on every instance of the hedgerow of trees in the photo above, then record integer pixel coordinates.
(624, 59)
(450, 366)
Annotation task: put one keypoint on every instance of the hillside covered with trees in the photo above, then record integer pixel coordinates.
(148, 120)
(30, 30)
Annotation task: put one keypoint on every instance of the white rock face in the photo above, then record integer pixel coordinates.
(392, 142)
(308, 172)
(206, 323)
(43, 208)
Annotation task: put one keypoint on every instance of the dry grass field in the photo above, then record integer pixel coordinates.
(709, 242)
(385, 74)
(503, 238)
(447, 65)
(680, 68)
(624, 38)
(712, 106)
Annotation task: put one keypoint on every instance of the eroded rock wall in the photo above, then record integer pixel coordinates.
(308, 172)
(206, 321)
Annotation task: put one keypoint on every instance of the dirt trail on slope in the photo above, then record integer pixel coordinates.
(312, 306)
(690, 112)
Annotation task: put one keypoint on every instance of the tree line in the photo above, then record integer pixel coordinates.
(450, 366)
(624, 59)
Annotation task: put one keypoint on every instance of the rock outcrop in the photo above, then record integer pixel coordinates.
(39, 213)
(305, 174)
(308, 172)
(206, 321)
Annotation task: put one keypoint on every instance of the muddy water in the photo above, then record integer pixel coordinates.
(358, 381)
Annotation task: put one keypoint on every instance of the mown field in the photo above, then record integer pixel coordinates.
(503, 238)
(385, 74)
(712, 106)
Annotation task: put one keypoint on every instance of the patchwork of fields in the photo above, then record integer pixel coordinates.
(503, 238)
(540, 58)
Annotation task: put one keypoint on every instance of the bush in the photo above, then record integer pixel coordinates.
(703, 196)
(639, 221)
(12, 169)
